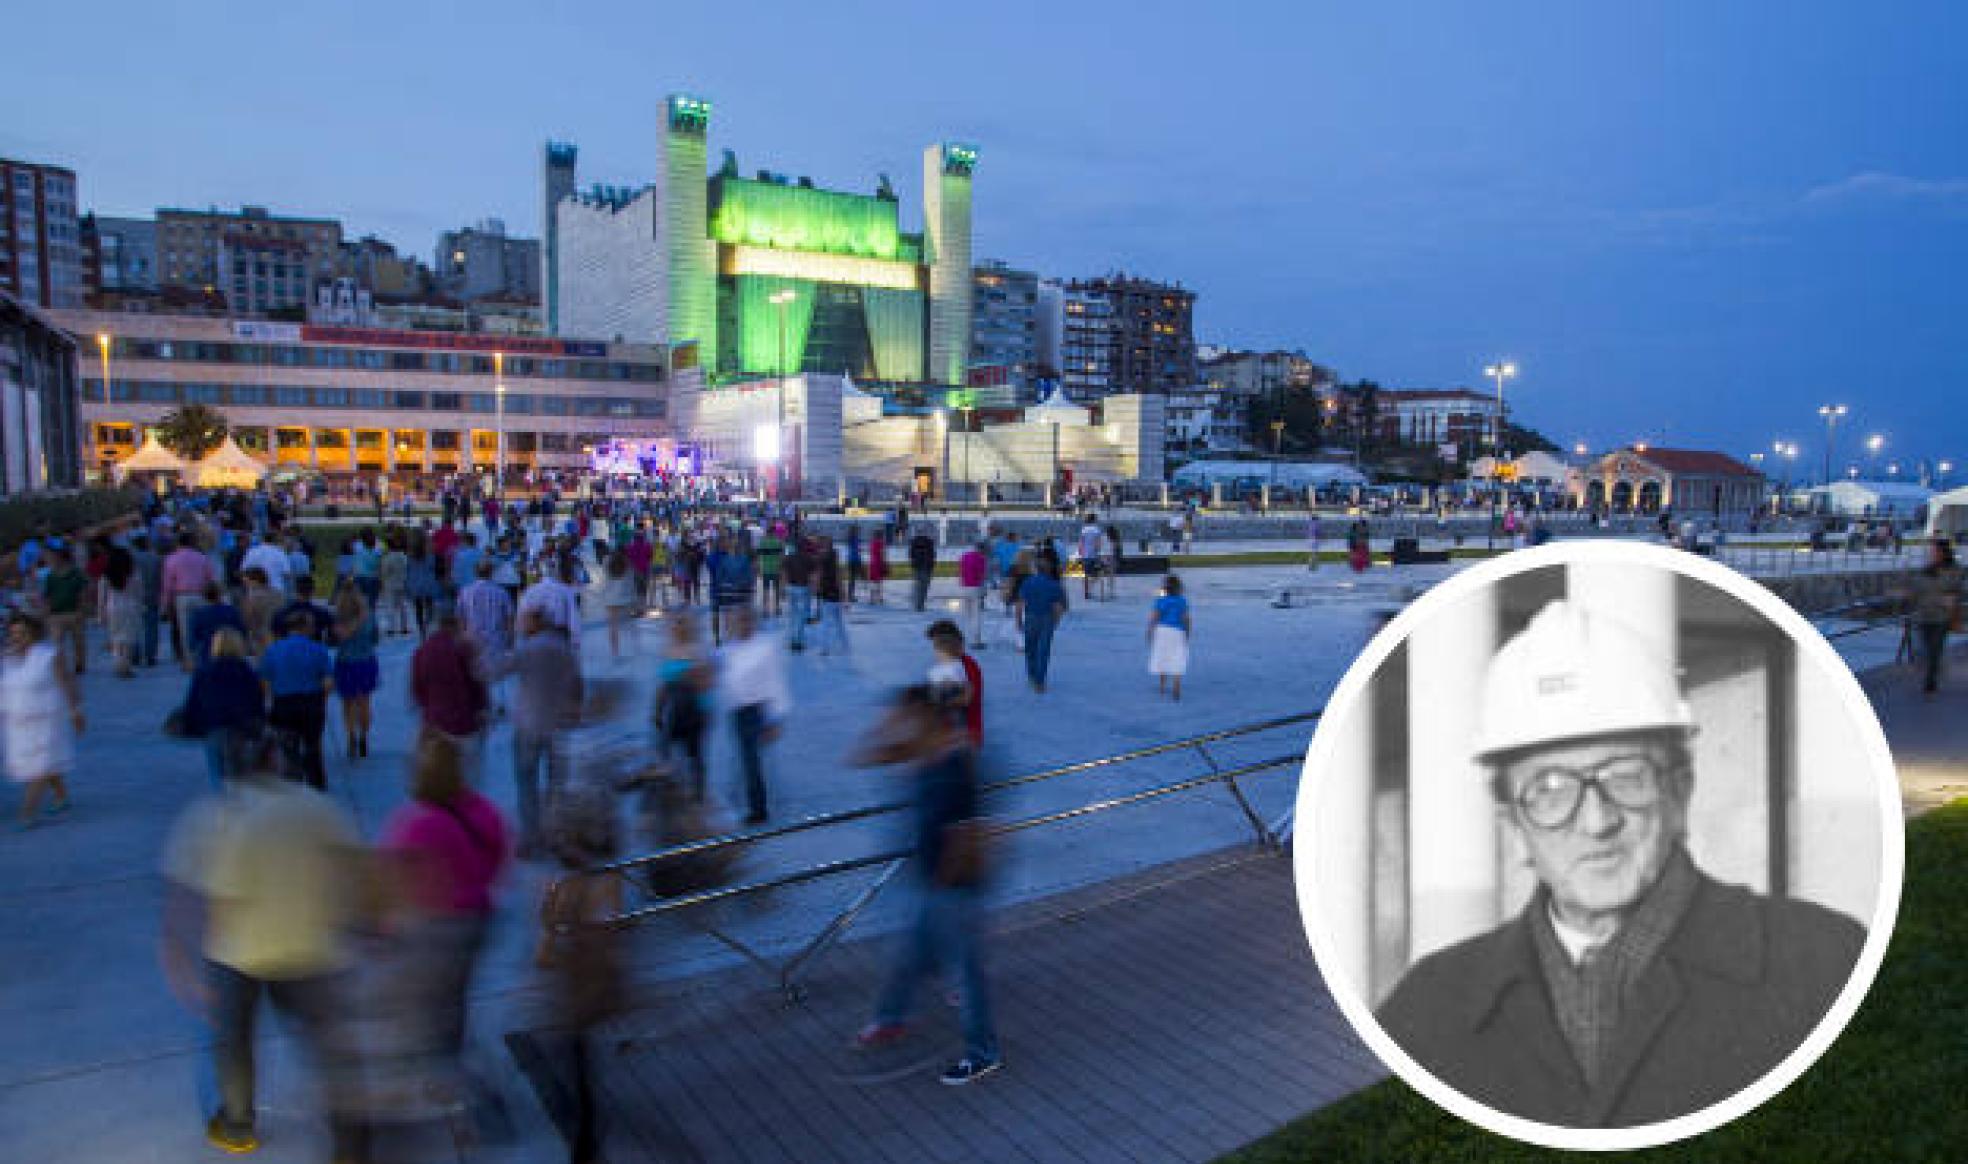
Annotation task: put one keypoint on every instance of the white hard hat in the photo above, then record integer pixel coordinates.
(1575, 674)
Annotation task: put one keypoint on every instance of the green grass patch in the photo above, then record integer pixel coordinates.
(1894, 1087)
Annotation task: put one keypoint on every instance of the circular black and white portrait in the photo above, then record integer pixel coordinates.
(1599, 845)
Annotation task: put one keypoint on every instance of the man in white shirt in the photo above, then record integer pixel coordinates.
(752, 686)
(269, 557)
(1091, 538)
(559, 599)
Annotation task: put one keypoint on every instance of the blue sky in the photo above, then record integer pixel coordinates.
(1687, 222)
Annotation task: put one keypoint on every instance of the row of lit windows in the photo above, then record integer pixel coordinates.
(381, 360)
(301, 396)
(409, 441)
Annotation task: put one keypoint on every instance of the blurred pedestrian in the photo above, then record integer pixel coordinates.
(618, 599)
(827, 591)
(357, 673)
(924, 732)
(799, 570)
(258, 608)
(956, 676)
(1168, 638)
(207, 620)
(1041, 605)
(63, 592)
(579, 953)
(558, 597)
(150, 569)
(448, 686)
(298, 673)
(877, 567)
(546, 702)
(262, 882)
(225, 698)
(446, 850)
(685, 680)
(122, 609)
(186, 573)
(40, 714)
(751, 680)
(972, 568)
(1936, 608)
(922, 562)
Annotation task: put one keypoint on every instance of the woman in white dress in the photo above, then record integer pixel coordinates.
(122, 602)
(40, 712)
(1168, 637)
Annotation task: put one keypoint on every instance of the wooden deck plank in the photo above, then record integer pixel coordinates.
(1170, 1016)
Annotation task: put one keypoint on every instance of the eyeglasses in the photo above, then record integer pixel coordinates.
(1550, 799)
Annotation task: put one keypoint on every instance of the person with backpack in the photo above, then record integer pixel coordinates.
(925, 730)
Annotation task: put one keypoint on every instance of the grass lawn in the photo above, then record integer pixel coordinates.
(1894, 1087)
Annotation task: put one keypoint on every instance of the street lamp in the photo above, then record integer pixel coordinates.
(1831, 413)
(1499, 372)
(102, 344)
(499, 394)
(943, 431)
(782, 299)
(1944, 468)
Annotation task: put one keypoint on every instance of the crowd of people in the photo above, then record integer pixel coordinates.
(276, 896)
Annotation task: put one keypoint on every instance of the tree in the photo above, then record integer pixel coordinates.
(193, 430)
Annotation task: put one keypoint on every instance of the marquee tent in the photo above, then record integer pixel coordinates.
(150, 458)
(228, 467)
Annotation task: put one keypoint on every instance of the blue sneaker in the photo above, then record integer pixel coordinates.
(968, 1070)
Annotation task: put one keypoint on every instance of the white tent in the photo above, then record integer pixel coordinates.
(1947, 514)
(150, 458)
(1871, 498)
(228, 467)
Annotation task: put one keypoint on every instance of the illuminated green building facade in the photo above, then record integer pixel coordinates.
(770, 276)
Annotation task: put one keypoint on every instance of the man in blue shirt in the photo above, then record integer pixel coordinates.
(298, 674)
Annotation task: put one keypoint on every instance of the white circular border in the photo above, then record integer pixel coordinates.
(1812, 650)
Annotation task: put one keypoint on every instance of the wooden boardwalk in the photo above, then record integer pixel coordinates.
(1171, 1016)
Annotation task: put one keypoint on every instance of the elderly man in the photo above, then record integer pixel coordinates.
(1633, 988)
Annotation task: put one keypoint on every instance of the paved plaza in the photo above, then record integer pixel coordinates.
(102, 1064)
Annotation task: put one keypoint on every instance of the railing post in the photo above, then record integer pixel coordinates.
(1265, 836)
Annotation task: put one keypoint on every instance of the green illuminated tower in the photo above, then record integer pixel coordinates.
(946, 237)
(691, 251)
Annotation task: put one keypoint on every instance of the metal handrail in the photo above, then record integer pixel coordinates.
(847, 816)
(892, 861)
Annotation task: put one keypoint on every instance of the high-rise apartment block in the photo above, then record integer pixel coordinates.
(1004, 328)
(260, 262)
(40, 235)
(1149, 329)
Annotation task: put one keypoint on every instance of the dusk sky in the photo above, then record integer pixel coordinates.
(1690, 223)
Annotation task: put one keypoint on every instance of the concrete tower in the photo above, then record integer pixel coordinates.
(682, 178)
(946, 238)
(558, 183)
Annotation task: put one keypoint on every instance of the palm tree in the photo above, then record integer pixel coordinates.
(193, 430)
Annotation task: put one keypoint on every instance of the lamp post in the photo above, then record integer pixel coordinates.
(102, 345)
(1874, 444)
(964, 412)
(1831, 413)
(782, 299)
(499, 394)
(1501, 371)
(943, 471)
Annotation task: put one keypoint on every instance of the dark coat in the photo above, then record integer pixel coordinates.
(1740, 984)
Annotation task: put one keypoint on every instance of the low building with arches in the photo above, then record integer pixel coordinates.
(1645, 479)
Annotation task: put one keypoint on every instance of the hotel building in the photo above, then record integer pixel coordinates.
(346, 400)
